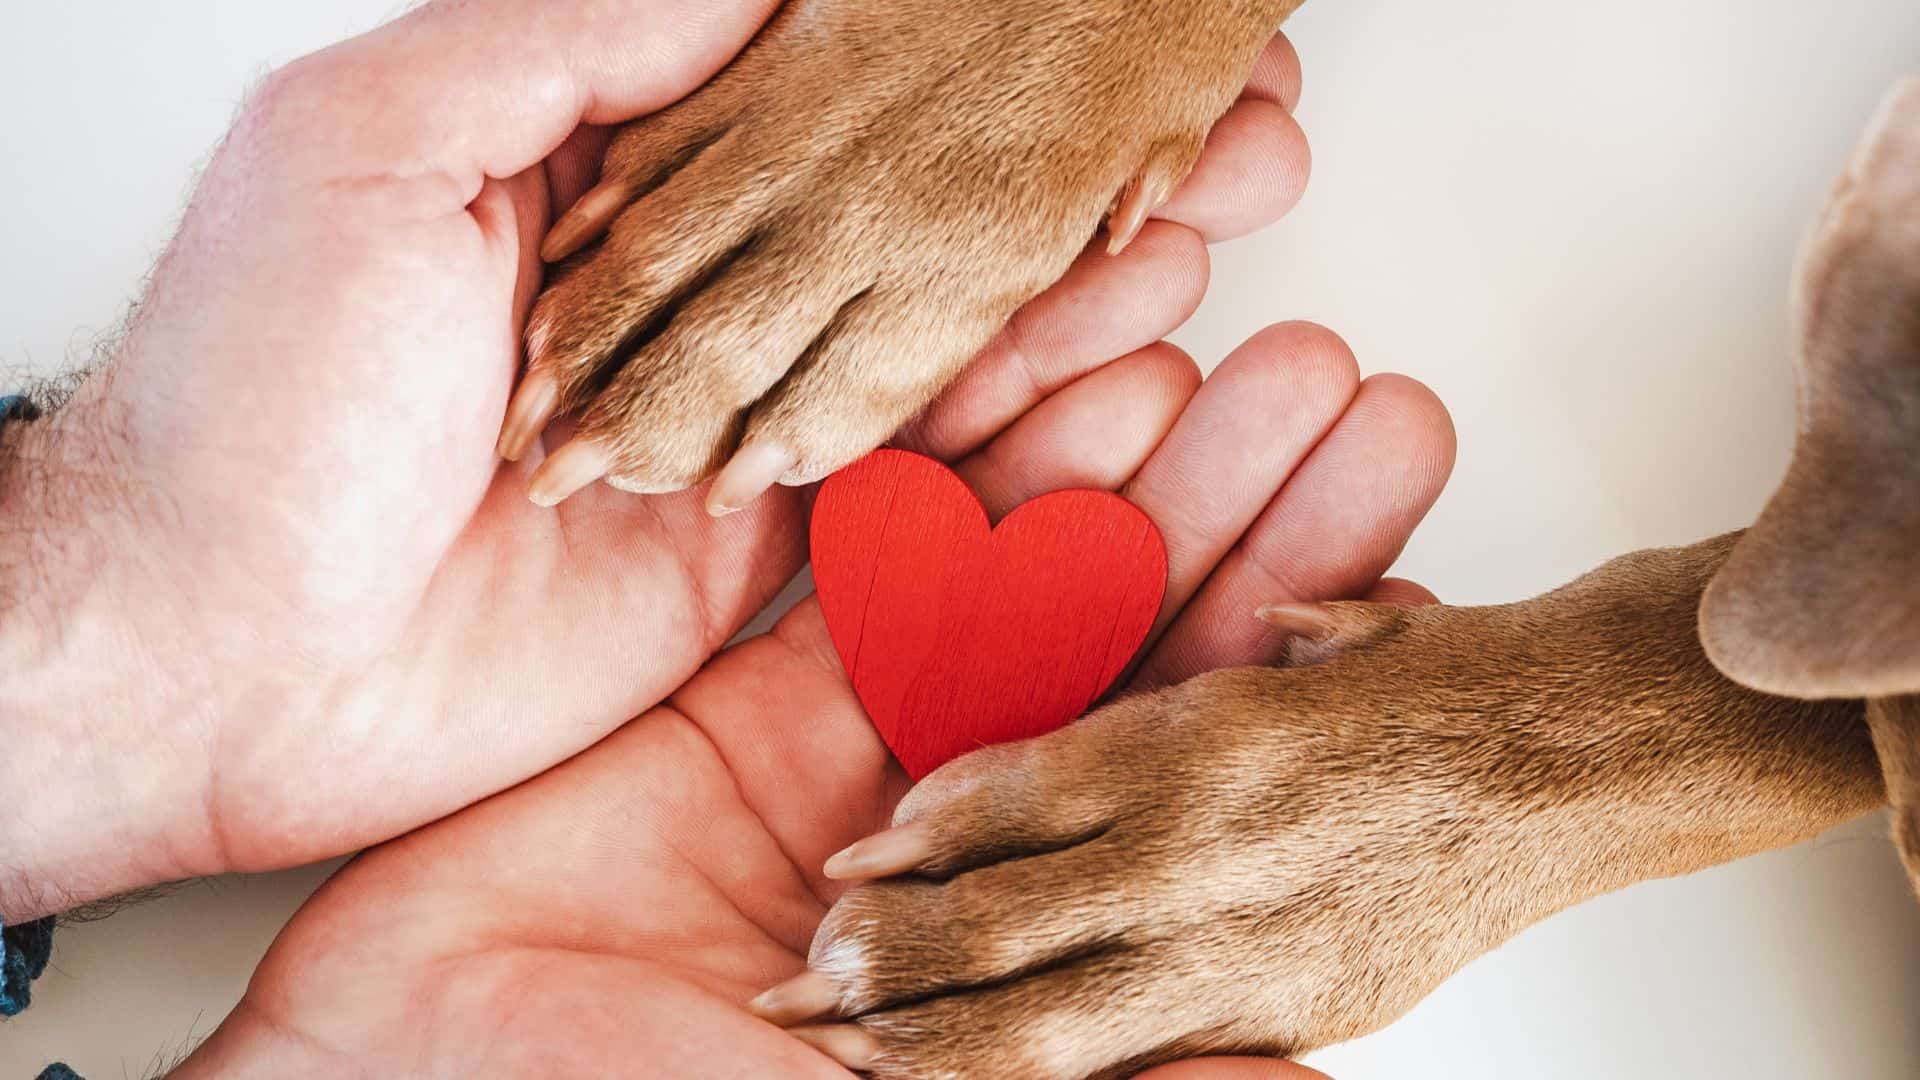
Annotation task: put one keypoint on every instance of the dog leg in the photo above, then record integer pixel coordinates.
(1271, 860)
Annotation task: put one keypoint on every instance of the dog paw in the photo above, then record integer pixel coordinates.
(1241, 864)
(1131, 876)
(779, 271)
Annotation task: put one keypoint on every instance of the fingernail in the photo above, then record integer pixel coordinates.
(895, 851)
(755, 467)
(571, 468)
(802, 997)
(850, 1045)
(532, 407)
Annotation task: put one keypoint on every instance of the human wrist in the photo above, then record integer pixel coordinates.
(98, 765)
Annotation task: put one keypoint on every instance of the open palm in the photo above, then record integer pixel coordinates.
(613, 916)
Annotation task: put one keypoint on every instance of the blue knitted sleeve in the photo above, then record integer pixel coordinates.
(17, 407)
(24, 951)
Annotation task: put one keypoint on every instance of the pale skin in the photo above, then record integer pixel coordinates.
(334, 616)
(621, 911)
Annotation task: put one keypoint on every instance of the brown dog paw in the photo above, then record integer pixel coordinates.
(783, 268)
(1137, 877)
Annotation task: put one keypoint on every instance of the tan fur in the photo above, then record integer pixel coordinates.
(1271, 860)
(818, 240)
(1896, 736)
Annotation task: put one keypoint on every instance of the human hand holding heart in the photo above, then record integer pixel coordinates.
(956, 635)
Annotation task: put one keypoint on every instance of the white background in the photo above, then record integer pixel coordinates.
(1575, 220)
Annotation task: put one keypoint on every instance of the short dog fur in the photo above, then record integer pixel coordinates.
(780, 270)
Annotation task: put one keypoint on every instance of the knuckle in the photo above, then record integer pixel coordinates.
(820, 446)
(994, 1035)
(951, 790)
(543, 326)
(855, 950)
(656, 466)
(281, 117)
(563, 317)
(842, 958)
(288, 91)
(891, 941)
(828, 429)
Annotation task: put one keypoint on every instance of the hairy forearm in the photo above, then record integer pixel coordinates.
(98, 777)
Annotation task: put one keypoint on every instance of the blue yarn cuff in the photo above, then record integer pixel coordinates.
(24, 951)
(17, 407)
(57, 1071)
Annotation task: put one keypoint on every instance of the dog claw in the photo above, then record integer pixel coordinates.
(1138, 200)
(799, 999)
(756, 467)
(895, 851)
(851, 1046)
(532, 407)
(571, 468)
(586, 219)
(1312, 622)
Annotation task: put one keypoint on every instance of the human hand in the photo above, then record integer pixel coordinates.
(278, 600)
(618, 912)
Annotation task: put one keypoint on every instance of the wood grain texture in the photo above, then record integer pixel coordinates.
(958, 634)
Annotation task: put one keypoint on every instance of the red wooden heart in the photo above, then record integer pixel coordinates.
(957, 635)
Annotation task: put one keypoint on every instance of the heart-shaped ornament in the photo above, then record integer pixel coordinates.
(959, 635)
